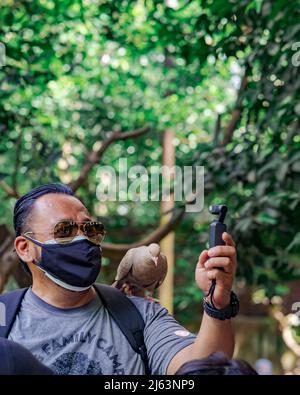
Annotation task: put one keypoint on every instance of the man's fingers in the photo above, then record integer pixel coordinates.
(202, 259)
(222, 251)
(220, 262)
(221, 277)
(215, 274)
(228, 239)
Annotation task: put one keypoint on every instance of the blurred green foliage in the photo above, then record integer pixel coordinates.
(76, 69)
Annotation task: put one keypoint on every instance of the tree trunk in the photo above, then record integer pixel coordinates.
(167, 243)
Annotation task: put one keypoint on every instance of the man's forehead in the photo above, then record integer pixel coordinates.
(56, 206)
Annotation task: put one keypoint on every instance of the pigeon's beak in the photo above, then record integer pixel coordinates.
(155, 259)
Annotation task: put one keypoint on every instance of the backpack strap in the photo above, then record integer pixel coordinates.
(127, 317)
(12, 304)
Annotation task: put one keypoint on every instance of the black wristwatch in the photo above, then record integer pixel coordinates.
(222, 314)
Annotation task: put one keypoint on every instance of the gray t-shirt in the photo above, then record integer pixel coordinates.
(86, 340)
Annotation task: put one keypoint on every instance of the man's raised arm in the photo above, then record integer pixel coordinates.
(214, 334)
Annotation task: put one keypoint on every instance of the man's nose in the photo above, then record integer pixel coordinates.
(80, 230)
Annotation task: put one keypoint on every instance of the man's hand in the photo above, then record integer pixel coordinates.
(218, 257)
(214, 335)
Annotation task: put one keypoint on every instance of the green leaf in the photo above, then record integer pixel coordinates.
(295, 242)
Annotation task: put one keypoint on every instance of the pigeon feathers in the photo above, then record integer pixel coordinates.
(141, 271)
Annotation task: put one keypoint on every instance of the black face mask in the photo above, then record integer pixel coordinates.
(74, 266)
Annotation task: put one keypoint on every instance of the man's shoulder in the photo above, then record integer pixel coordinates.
(141, 302)
(147, 307)
(110, 294)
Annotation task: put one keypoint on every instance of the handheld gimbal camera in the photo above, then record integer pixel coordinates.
(217, 227)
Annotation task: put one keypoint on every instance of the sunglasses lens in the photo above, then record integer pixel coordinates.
(94, 231)
(65, 231)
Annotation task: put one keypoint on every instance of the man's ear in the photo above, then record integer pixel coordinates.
(22, 249)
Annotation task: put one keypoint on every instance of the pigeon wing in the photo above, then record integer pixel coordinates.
(125, 265)
(163, 268)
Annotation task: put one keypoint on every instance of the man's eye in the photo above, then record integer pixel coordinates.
(64, 230)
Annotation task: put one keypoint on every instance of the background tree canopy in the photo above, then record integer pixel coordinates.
(224, 75)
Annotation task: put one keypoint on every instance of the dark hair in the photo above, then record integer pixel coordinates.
(24, 206)
(216, 364)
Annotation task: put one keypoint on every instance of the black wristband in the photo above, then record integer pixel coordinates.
(223, 314)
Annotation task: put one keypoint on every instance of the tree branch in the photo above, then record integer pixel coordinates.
(10, 192)
(132, 134)
(8, 263)
(93, 157)
(235, 114)
(8, 259)
(117, 251)
(217, 130)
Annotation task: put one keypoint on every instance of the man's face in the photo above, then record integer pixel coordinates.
(53, 208)
(47, 212)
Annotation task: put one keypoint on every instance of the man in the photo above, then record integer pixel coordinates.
(62, 320)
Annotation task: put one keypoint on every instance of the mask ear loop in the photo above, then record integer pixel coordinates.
(33, 240)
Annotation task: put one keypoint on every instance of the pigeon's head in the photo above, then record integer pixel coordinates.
(154, 250)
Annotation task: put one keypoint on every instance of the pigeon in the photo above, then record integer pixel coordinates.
(141, 271)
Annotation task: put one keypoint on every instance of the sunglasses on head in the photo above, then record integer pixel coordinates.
(65, 231)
